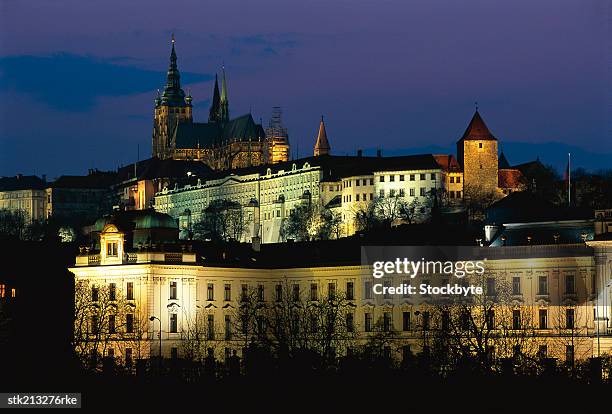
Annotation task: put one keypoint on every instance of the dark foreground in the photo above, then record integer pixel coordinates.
(294, 391)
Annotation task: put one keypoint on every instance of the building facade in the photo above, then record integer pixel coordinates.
(559, 298)
(269, 194)
(25, 194)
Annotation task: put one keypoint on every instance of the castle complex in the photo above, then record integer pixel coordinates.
(347, 184)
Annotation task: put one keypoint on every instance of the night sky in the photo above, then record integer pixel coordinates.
(78, 78)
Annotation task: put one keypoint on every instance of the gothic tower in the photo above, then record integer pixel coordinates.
(224, 108)
(477, 154)
(171, 108)
(213, 115)
(322, 146)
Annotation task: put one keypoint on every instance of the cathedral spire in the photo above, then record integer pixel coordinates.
(215, 106)
(322, 146)
(173, 95)
(224, 108)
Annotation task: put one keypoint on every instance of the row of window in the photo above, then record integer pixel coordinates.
(465, 320)
(358, 197)
(570, 285)
(401, 192)
(412, 177)
(112, 291)
(491, 289)
(278, 292)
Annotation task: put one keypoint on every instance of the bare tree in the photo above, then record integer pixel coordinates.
(295, 323)
(12, 223)
(198, 336)
(221, 220)
(477, 199)
(477, 330)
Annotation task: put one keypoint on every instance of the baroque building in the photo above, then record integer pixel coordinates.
(222, 143)
(159, 288)
(268, 194)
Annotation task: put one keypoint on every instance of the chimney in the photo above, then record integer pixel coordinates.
(44, 177)
(379, 153)
(360, 153)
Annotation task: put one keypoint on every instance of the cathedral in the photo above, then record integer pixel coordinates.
(221, 143)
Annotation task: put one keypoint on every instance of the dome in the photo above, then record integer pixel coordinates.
(155, 220)
(101, 222)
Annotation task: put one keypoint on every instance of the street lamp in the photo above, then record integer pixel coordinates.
(152, 318)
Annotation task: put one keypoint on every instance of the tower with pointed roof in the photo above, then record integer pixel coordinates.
(224, 104)
(322, 146)
(215, 106)
(172, 107)
(477, 155)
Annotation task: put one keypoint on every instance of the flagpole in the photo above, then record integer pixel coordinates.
(569, 179)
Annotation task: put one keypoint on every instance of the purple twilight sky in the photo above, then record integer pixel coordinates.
(78, 78)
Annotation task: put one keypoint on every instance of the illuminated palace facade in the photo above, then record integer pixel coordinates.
(562, 293)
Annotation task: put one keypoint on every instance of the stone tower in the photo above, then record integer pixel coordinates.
(171, 108)
(322, 146)
(477, 154)
(277, 138)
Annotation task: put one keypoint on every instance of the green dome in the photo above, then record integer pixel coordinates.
(101, 222)
(155, 221)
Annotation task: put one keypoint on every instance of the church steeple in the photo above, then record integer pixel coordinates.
(322, 146)
(171, 108)
(173, 95)
(213, 116)
(224, 109)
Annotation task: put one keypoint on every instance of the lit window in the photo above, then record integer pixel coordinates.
(211, 326)
(350, 325)
(173, 290)
(331, 290)
(368, 290)
(129, 323)
(173, 323)
(406, 321)
(543, 318)
(111, 249)
(387, 321)
(314, 295)
(350, 290)
(368, 322)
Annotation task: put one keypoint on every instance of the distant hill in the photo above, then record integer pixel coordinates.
(550, 153)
